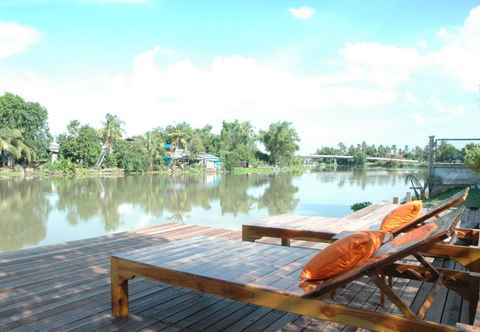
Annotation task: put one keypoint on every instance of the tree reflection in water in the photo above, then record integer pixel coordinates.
(79, 204)
(24, 208)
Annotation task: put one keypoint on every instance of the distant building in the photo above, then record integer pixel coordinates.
(211, 162)
(54, 149)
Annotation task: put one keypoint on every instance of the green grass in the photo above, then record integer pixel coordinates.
(473, 199)
(268, 170)
(252, 170)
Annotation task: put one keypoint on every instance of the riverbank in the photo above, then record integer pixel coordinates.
(78, 171)
(268, 170)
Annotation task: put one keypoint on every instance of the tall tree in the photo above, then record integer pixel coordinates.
(28, 117)
(237, 143)
(111, 132)
(179, 135)
(447, 152)
(153, 141)
(281, 141)
(80, 144)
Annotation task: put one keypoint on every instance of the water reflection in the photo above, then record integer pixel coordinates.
(24, 209)
(34, 212)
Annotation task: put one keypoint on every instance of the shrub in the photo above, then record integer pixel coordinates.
(472, 158)
(63, 166)
(359, 206)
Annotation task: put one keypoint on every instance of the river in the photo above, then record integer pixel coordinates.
(35, 212)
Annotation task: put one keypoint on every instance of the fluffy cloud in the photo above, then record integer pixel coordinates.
(231, 87)
(460, 51)
(380, 64)
(456, 57)
(16, 38)
(302, 13)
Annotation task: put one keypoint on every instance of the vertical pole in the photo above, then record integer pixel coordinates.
(431, 160)
(408, 196)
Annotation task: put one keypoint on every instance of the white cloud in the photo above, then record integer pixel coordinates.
(302, 13)
(230, 87)
(381, 64)
(16, 38)
(459, 54)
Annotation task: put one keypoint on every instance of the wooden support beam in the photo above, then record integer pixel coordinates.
(467, 256)
(427, 265)
(423, 310)
(385, 289)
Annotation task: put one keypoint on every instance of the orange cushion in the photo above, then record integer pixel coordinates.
(402, 215)
(342, 256)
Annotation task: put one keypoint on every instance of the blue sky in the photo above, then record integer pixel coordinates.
(381, 71)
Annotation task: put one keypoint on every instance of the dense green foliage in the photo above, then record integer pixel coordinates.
(281, 142)
(25, 125)
(132, 156)
(237, 144)
(359, 206)
(81, 144)
(359, 159)
(472, 157)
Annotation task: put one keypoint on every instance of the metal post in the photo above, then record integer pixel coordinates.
(431, 160)
(408, 196)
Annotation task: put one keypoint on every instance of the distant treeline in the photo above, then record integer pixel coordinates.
(25, 139)
(444, 152)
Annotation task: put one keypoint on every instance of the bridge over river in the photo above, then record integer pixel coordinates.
(336, 157)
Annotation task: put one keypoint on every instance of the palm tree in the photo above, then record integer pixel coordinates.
(13, 146)
(112, 130)
(153, 146)
(179, 138)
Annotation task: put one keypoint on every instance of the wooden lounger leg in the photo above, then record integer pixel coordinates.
(119, 287)
(248, 234)
(385, 289)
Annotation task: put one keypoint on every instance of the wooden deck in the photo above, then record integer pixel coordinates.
(66, 288)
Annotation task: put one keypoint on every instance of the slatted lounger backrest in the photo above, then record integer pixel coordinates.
(456, 200)
(402, 246)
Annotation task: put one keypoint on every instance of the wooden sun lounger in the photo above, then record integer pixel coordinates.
(268, 275)
(308, 230)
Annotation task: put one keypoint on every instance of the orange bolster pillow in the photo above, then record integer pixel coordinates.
(342, 256)
(402, 215)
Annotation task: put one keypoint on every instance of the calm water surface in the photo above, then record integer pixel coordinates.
(47, 211)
